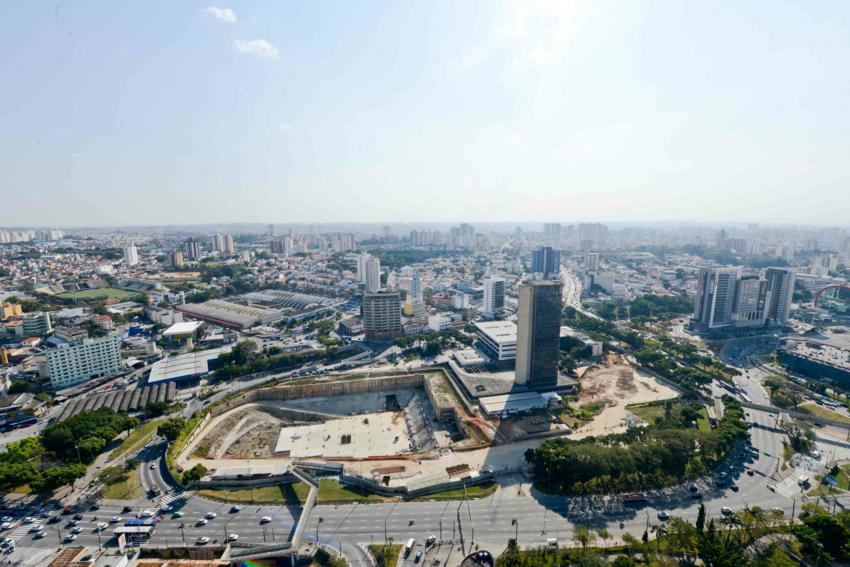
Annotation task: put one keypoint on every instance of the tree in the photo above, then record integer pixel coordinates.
(155, 409)
(195, 474)
(582, 536)
(604, 534)
(19, 387)
(701, 518)
(171, 428)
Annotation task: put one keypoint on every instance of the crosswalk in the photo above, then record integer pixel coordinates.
(175, 496)
(26, 556)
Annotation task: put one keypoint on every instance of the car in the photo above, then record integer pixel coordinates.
(5, 525)
(6, 519)
(145, 514)
(94, 507)
(734, 488)
(67, 510)
(76, 530)
(36, 528)
(430, 540)
(202, 540)
(726, 510)
(201, 522)
(663, 516)
(54, 519)
(778, 510)
(265, 519)
(418, 556)
(153, 466)
(78, 516)
(127, 509)
(696, 495)
(235, 509)
(39, 535)
(750, 472)
(211, 515)
(29, 520)
(721, 518)
(114, 519)
(166, 509)
(232, 537)
(70, 537)
(102, 526)
(693, 488)
(177, 514)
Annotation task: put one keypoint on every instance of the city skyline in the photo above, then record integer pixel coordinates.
(622, 112)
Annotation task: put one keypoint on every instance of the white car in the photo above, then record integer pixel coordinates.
(145, 514)
(5, 525)
(102, 526)
(70, 537)
(202, 522)
(39, 535)
(29, 520)
(114, 519)
(202, 540)
(6, 519)
(36, 528)
(211, 515)
(726, 510)
(76, 530)
(232, 537)
(265, 519)
(663, 516)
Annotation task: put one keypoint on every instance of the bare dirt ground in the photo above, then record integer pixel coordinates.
(615, 383)
(248, 434)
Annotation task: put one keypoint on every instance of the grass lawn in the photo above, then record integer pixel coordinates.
(386, 555)
(127, 489)
(137, 438)
(330, 492)
(819, 411)
(650, 411)
(22, 489)
(104, 293)
(476, 491)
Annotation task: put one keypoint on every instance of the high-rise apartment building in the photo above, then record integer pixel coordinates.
(193, 249)
(373, 274)
(546, 261)
(224, 244)
(416, 286)
(592, 235)
(494, 296)
(538, 333)
(780, 291)
(552, 229)
(90, 358)
(591, 261)
(750, 299)
(381, 313)
(131, 255)
(178, 259)
(715, 299)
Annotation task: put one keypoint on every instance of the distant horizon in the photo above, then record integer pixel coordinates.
(524, 224)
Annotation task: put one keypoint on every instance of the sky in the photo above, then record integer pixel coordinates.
(163, 112)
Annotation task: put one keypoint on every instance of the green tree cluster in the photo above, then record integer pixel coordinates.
(651, 457)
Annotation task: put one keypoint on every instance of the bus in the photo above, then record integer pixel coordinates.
(409, 547)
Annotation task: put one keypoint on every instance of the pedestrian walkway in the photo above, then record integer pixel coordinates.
(25, 556)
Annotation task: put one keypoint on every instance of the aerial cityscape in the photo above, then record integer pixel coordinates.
(459, 285)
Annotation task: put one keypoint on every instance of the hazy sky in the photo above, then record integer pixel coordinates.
(185, 112)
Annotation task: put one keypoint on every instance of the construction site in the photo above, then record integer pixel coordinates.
(400, 431)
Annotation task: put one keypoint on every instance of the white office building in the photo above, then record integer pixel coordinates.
(498, 338)
(373, 274)
(90, 358)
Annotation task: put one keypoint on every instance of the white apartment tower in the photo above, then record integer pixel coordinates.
(494, 296)
(131, 255)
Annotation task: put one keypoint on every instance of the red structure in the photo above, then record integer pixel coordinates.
(827, 288)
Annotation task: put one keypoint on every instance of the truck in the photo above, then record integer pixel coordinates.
(634, 498)
(408, 547)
